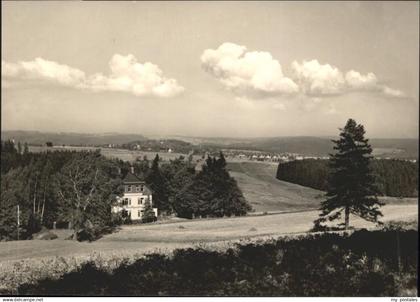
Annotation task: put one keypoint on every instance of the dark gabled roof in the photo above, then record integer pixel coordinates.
(131, 178)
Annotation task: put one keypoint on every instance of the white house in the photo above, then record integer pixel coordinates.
(136, 192)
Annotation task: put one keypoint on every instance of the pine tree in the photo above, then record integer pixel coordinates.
(351, 184)
(148, 214)
(212, 193)
(159, 186)
(25, 148)
(19, 148)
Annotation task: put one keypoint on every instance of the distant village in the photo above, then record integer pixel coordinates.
(265, 156)
(281, 157)
(231, 154)
(183, 148)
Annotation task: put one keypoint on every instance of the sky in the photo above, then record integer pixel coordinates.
(225, 69)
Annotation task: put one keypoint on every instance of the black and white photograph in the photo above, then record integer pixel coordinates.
(209, 149)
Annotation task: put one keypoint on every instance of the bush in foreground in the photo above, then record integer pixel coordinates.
(378, 263)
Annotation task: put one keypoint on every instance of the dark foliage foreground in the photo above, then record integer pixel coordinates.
(378, 263)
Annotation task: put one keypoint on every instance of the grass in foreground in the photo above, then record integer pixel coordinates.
(144, 238)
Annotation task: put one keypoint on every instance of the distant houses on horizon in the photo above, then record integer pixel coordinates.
(234, 154)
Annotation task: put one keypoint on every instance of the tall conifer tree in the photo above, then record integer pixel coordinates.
(159, 186)
(148, 214)
(351, 184)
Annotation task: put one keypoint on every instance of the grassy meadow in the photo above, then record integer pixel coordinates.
(361, 263)
(266, 193)
(141, 238)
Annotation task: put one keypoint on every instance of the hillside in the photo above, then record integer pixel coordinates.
(266, 193)
(318, 146)
(260, 187)
(304, 145)
(67, 138)
(158, 145)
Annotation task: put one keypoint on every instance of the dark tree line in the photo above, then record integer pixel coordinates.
(68, 188)
(12, 156)
(397, 178)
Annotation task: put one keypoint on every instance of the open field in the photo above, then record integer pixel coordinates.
(266, 193)
(143, 238)
(123, 154)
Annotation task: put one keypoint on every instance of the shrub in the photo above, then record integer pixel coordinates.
(46, 236)
(362, 264)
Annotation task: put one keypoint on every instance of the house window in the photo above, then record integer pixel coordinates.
(140, 213)
(141, 188)
(137, 188)
(140, 200)
(129, 188)
(126, 201)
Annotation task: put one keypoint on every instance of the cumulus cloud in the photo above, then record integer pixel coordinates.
(358, 81)
(317, 79)
(392, 92)
(369, 82)
(43, 70)
(126, 75)
(257, 74)
(247, 72)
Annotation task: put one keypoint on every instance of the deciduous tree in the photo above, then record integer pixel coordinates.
(87, 187)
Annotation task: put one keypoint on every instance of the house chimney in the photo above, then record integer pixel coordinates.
(132, 169)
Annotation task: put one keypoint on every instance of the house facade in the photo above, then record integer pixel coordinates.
(136, 193)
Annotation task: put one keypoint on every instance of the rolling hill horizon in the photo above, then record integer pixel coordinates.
(305, 145)
(186, 137)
